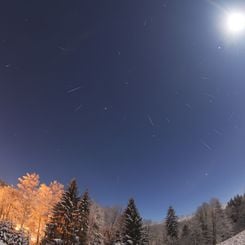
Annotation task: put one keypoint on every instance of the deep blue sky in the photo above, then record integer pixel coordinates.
(134, 98)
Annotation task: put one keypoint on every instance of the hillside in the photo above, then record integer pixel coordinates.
(238, 239)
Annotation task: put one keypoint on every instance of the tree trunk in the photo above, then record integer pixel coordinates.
(38, 230)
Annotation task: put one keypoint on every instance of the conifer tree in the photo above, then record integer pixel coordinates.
(62, 226)
(83, 218)
(146, 235)
(233, 208)
(236, 212)
(118, 239)
(132, 225)
(172, 226)
(9, 235)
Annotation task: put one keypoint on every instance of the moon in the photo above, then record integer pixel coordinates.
(236, 22)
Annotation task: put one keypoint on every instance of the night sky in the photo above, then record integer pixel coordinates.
(133, 98)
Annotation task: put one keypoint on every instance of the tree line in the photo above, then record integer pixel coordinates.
(48, 214)
(211, 224)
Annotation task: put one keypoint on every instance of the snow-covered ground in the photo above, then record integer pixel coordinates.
(238, 239)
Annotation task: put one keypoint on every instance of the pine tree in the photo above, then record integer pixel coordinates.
(146, 235)
(172, 226)
(236, 212)
(83, 218)
(118, 239)
(62, 225)
(8, 235)
(132, 225)
(233, 207)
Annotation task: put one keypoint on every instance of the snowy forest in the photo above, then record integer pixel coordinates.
(34, 213)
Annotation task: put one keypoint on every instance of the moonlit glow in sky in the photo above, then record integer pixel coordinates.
(236, 22)
(140, 99)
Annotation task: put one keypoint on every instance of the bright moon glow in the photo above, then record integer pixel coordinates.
(236, 22)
